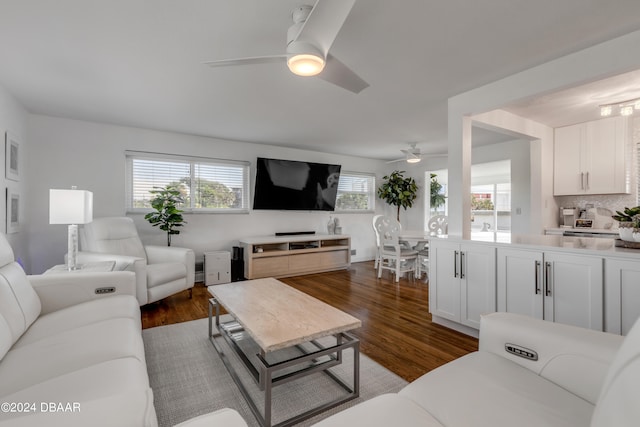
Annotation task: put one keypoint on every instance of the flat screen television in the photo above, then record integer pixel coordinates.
(295, 185)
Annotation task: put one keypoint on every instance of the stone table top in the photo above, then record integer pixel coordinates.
(277, 316)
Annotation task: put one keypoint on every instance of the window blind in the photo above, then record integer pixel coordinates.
(206, 184)
(356, 192)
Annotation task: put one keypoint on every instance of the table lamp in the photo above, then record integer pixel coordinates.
(71, 207)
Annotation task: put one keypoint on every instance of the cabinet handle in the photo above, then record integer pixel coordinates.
(547, 279)
(586, 187)
(455, 263)
(582, 180)
(461, 264)
(537, 284)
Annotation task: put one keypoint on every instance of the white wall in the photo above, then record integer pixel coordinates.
(13, 118)
(604, 60)
(90, 155)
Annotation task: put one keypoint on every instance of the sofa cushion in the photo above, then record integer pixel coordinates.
(69, 351)
(159, 274)
(383, 411)
(19, 303)
(112, 307)
(618, 401)
(90, 383)
(483, 389)
(132, 408)
(223, 417)
(6, 338)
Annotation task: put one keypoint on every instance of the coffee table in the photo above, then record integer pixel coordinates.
(275, 332)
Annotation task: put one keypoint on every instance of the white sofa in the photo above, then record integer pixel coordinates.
(72, 357)
(581, 378)
(160, 271)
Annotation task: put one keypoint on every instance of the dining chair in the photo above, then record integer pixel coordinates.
(436, 226)
(375, 230)
(393, 256)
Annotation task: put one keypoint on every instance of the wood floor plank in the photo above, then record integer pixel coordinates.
(396, 331)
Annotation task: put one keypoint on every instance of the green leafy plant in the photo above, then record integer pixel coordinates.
(167, 215)
(629, 215)
(437, 198)
(478, 204)
(630, 218)
(398, 190)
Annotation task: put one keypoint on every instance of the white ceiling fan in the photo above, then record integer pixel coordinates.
(309, 39)
(413, 155)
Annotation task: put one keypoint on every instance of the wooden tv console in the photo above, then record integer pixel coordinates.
(284, 256)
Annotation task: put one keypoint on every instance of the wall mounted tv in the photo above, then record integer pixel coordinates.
(294, 185)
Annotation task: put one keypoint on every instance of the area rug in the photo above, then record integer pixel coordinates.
(188, 378)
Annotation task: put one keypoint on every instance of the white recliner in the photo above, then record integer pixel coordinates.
(160, 271)
(527, 373)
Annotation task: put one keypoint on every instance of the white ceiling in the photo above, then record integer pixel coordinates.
(139, 63)
(579, 104)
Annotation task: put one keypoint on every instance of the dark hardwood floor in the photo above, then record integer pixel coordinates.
(396, 331)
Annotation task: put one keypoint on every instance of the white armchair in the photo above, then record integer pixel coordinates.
(160, 271)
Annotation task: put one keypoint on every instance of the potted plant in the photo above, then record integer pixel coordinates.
(629, 224)
(167, 215)
(398, 191)
(437, 198)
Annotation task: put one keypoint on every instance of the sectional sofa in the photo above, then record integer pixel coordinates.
(527, 373)
(71, 354)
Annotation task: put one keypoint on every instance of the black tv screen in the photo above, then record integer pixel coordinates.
(294, 185)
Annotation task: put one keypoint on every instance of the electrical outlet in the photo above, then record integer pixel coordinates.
(353, 251)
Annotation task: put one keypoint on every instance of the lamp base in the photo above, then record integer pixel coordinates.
(72, 247)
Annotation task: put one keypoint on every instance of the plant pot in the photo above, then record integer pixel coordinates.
(626, 234)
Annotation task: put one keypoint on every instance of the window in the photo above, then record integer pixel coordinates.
(356, 192)
(207, 185)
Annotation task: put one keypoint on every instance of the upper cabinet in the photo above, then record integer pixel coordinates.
(592, 158)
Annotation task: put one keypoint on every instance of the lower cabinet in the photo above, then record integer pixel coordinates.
(549, 285)
(462, 283)
(622, 294)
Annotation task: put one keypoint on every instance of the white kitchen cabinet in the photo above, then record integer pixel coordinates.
(622, 294)
(519, 282)
(592, 158)
(462, 281)
(554, 286)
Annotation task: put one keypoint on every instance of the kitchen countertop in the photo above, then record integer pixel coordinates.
(583, 230)
(583, 245)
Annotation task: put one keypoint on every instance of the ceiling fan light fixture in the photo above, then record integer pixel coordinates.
(305, 64)
(413, 159)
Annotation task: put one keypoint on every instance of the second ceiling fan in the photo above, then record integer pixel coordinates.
(309, 39)
(413, 155)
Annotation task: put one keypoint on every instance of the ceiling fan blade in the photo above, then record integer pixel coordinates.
(324, 22)
(340, 75)
(247, 61)
(396, 160)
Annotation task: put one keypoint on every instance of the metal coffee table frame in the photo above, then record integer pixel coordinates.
(266, 374)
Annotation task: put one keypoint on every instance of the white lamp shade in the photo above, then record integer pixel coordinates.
(70, 206)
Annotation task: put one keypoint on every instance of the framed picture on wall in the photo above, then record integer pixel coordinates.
(12, 157)
(13, 210)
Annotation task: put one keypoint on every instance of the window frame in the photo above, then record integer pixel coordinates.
(192, 161)
(371, 193)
